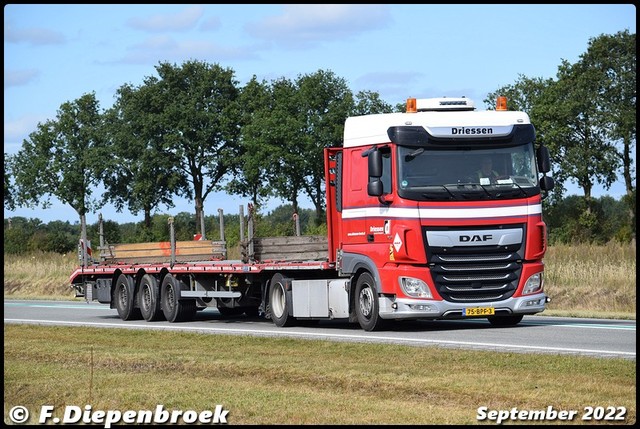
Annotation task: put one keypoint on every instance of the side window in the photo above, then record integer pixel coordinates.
(386, 170)
(356, 178)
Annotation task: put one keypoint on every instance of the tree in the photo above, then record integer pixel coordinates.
(575, 129)
(202, 123)
(613, 57)
(369, 102)
(523, 95)
(61, 159)
(274, 134)
(8, 194)
(251, 179)
(140, 171)
(326, 101)
(18, 232)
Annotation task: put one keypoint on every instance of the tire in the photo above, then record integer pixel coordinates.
(125, 298)
(278, 303)
(173, 308)
(504, 321)
(367, 305)
(149, 299)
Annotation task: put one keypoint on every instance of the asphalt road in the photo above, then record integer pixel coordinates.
(535, 334)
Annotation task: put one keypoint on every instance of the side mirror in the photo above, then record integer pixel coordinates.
(546, 183)
(375, 164)
(374, 188)
(544, 163)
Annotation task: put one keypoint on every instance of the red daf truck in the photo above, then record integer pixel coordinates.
(420, 226)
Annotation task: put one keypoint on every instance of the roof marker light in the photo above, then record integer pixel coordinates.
(412, 105)
(501, 103)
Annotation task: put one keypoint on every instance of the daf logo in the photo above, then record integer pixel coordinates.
(471, 238)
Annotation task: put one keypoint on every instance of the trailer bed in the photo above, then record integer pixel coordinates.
(203, 267)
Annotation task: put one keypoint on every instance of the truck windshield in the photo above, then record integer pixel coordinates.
(428, 174)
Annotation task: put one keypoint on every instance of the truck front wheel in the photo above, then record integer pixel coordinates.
(278, 302)
(174, 308)
(367, 305)
(124, 296)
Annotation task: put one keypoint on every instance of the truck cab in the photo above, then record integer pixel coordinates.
(422, 230)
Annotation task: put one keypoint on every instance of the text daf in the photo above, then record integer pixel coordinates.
(467, 238)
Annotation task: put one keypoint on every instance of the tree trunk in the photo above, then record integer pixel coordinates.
(147, 217)
(85, 245)
(628, 182)
(199, 214)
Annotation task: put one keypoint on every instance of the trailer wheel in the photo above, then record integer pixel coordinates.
(149, 299)
(278, 302)
(125, 298)
(367, 306)
(173, 308)
(504, 321)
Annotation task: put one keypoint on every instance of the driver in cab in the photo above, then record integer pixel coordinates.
(486, 174)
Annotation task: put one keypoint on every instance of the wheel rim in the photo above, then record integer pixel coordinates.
(366, 301)
(278, 300)
(170, 298)
(146, 297)
(123, 296)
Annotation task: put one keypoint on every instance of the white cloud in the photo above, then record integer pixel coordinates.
(17, 130)
(32, 36)
(211, 24)
(303, 25)
(181, 21)
(163, 48)
(19, 77)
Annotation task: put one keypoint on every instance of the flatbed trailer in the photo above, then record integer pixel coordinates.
(174, 279)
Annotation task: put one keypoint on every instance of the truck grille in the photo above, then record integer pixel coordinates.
(476, 273)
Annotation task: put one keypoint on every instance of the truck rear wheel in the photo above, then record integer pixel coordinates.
(278, 303)
(174, 308)
(149, 298)
(124, 296)
(367, 305)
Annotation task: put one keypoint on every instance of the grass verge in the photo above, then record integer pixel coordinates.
(287, 381)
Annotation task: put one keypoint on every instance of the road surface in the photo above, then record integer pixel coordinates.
(535, 334)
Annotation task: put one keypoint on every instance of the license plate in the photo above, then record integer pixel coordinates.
(479, 311)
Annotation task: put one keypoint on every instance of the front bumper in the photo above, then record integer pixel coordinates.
(403, 308)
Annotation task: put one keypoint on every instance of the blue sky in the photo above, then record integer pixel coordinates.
(56, 53)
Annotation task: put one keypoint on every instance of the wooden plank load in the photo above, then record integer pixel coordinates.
(290, 249)
(160, 252)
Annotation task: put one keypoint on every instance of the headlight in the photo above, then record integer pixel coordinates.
(533, 284)
(414, 287)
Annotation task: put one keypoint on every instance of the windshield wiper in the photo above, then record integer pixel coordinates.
(410, 156)
(474, 185)
(519, 187)
(433, 197)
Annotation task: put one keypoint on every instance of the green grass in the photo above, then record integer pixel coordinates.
(286, 381)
